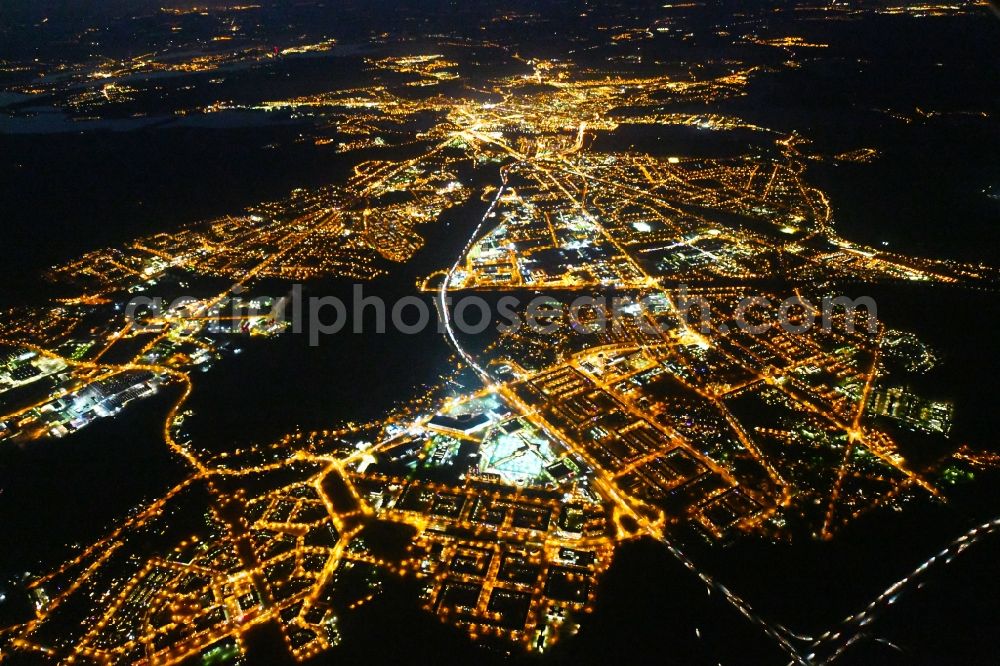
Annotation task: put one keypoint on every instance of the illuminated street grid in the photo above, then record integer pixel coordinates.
(506, 503)
(617, 442)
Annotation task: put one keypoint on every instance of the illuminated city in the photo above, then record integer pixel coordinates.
(732, 404)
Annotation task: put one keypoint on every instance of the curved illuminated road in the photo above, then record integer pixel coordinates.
(443, 291)
(851, 628)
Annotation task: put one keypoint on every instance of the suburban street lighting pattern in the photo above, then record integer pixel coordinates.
(506, 502)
